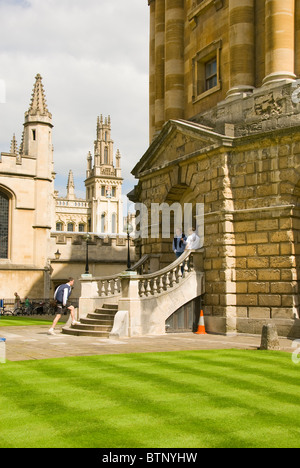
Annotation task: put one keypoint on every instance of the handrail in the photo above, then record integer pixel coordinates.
(166, 278)
(168, 268)
(151, 283)
(137, 265)
(140, 262)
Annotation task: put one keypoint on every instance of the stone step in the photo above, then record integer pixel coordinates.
(102, 317)
(106, 311)
(98, 324)
(94, 321)
(87, 327)
(77, 332)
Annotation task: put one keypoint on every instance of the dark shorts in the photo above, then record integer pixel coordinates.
(62, 310)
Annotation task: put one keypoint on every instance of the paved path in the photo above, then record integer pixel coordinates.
(29, 343)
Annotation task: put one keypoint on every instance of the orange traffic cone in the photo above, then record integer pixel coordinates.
(201, 325)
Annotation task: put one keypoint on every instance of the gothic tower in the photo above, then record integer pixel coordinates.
(37, 144)
(104, 183)
(27, 193)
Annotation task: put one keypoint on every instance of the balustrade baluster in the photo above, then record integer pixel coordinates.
(174, 278)
(167, 276)
(160, 285)
(102, 289)
(155, 287)
(148, 288)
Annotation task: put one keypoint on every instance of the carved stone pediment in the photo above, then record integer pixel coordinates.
(179, 140)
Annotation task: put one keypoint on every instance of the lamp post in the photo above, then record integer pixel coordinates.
(129, 230)
(87, 238)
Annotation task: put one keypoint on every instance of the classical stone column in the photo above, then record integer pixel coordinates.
(242, 43)
(297, 36)
(174, 60)
(152, 71)
(159, 64)
(280, 40)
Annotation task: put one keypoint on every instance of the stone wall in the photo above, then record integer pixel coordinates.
(250, 189)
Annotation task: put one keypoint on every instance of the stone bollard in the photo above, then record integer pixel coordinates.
(269, 338)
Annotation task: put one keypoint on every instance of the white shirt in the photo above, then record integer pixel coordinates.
(193, 242)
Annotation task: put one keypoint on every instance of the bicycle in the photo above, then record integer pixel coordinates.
(6, 312)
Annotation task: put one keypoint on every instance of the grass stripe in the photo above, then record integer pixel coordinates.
(226, 398)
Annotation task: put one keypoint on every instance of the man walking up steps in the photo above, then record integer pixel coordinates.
(61, 296)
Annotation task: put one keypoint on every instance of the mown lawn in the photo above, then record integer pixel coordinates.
(7, 321)
(190, 399)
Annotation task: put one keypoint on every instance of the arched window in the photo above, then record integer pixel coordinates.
(4, 225)
(114, 223)
(103, 222)
(105, 155)
(70, 227)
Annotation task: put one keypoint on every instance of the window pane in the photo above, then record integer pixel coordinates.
(211, 74)
(4, 206)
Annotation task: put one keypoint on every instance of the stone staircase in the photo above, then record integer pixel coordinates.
(98, 324)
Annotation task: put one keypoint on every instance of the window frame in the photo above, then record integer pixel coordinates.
(200, 61)
(10, 197)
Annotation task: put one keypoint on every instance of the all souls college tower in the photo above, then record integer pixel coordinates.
(225, 132)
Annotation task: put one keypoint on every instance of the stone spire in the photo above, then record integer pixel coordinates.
(21, 149)
(38, 105)
(71, 186)
(14, 146)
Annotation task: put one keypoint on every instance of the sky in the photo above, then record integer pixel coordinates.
(93, 58)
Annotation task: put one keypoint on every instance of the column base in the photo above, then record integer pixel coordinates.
(279, 77)
(238, 92)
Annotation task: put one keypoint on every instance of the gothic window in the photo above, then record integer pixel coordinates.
(59, 226)
(4, 225)
(105, 155)
(70, 227)
(81, 227)
(103, 222)
(114, 223)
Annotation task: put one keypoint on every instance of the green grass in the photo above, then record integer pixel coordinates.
(7, 321)
(190, 399)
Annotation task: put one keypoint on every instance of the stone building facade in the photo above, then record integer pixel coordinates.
(101, 211)
(42, 240)
(224, 131)
(26, 194)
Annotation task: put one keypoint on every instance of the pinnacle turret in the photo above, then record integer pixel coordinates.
(14, 146)
(38, 105)
(71, 186)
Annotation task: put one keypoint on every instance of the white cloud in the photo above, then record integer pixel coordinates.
(93, 57)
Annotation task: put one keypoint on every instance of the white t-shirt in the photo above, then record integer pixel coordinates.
(193, 242)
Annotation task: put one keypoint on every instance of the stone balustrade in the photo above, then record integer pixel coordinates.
(145, 301)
